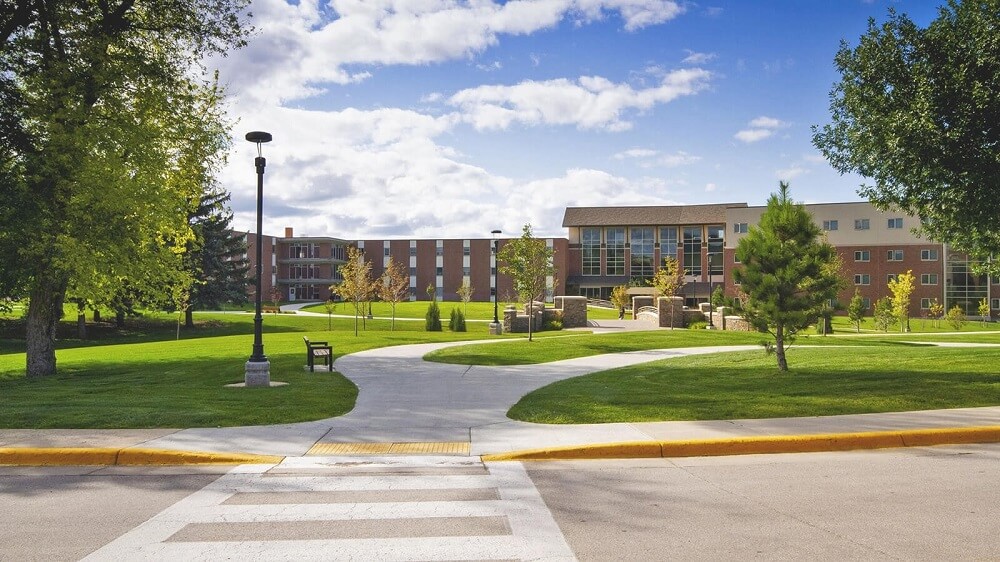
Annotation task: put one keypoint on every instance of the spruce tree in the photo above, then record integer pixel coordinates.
(788, 271)
(217, 256)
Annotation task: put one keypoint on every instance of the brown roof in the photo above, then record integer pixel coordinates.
(647, 215)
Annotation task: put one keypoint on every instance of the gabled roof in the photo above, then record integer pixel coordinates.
(647, 215)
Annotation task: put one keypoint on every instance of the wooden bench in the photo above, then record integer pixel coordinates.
(320, 349)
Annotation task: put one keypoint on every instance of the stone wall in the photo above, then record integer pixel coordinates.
(573, 311)
(638, 302)
(664, 308)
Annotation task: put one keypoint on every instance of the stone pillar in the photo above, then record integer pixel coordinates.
(258, 373)
(574, 311)
(664, 309)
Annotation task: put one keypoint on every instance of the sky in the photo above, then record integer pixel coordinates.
(449, 119)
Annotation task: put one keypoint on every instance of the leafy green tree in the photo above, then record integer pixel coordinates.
(108, 133)
(457, 322)
(914, 111)
(856, 310)
(787, 271)
(883, 314)
(216, 256)
(901, 288)
(620, 299)
(936, 312)
(357, 285)
(393, 287)
(465, 295)
(667, 280)
(984, 310)
(528, 262)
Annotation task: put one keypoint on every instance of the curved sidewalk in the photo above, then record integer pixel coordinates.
(403, 399)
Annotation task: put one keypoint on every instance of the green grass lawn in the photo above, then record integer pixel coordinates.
(473, 311)
(146, 378)
(742, 385)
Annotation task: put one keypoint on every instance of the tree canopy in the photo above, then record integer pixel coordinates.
(917, 111)
(109, 134)
(788, 271)
(528, 262)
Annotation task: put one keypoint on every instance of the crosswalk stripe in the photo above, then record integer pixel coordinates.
(203, 525)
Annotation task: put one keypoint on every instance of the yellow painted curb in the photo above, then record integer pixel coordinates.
(109, 456)
(761, 445)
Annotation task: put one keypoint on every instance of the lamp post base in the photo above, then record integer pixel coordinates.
(258, 373)
(496, 328)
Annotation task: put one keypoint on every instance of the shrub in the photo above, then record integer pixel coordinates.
(432, 320)
(956, 317)
(553, 325)
(457, 323)
(698, 325)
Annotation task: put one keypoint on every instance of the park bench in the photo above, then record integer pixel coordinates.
(318, 349)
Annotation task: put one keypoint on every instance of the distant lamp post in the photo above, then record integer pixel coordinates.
(258, 368)
(495, 326)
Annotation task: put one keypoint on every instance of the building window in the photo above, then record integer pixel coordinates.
(861, 224)
(642, 254)
(928, 279)
(895, 223)
(385, 251)
(925, 304)
(615, 239)
(715, 235)
(668, 242)
(466, 271)
(591, 249)
(413, 271)
(692, 250)
(466, 250)
(413, 251)
(439, 251)
(929, 255)
(894, 255)
(862, 279)
(831, 225)
(866, 303)
(891, 277)
(740, 227)
(736, 259)
(862, 255)
(995, 304)
(439, 271)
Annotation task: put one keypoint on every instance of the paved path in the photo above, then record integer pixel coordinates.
(403, 399)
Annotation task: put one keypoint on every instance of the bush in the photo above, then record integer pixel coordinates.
(432, 320)
(956, 317)
(553, 325)
(457, 323)
(698, 325)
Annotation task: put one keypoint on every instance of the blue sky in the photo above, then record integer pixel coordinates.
(435, 119)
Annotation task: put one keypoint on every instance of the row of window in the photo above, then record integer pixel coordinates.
(866, 279)
(830, 225)
(895, 255)
(925, 303)
(642, 243)
(302, 250)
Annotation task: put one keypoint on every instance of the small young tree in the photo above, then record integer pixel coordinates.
(856, 310)
(883, 314)
(956, 317)
(393, 287)
(787, 270)
(936, 312)
(667, 280)
(620, 299)
(464, 293)
(457, 322)
(356, 286)
(901, 288)
(329, 306)
(528, 261)
(432, 319)
(984, 310)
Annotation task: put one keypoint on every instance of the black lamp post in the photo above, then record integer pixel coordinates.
(495, 327)
(258, 367)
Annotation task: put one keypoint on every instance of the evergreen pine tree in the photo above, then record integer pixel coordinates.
(217, 256)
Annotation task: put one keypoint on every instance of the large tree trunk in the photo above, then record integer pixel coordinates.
(81, 320)
(779, 348)
(44, 312)
(120, 318)
(189, 318)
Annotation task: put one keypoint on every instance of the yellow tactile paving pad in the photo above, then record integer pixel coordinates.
(426, 448)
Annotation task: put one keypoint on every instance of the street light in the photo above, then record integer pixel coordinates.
(495, 326)
(258, 368)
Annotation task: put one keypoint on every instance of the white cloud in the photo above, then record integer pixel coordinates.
(591, 102)
(697, 58)
(636, 153)
(298, 48)
(676, 159)
(753, 135)
(710, 187)
(760, 128)
(790, 173)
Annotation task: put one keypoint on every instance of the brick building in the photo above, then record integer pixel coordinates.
(610, 246)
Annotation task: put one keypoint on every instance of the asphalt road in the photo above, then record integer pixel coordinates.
(913, 504)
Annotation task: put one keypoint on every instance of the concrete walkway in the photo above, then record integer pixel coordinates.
(403, 399)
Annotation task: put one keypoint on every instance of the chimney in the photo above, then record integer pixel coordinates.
(288, 232)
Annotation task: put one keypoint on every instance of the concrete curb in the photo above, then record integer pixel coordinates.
(760, 445)
(112, 456)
